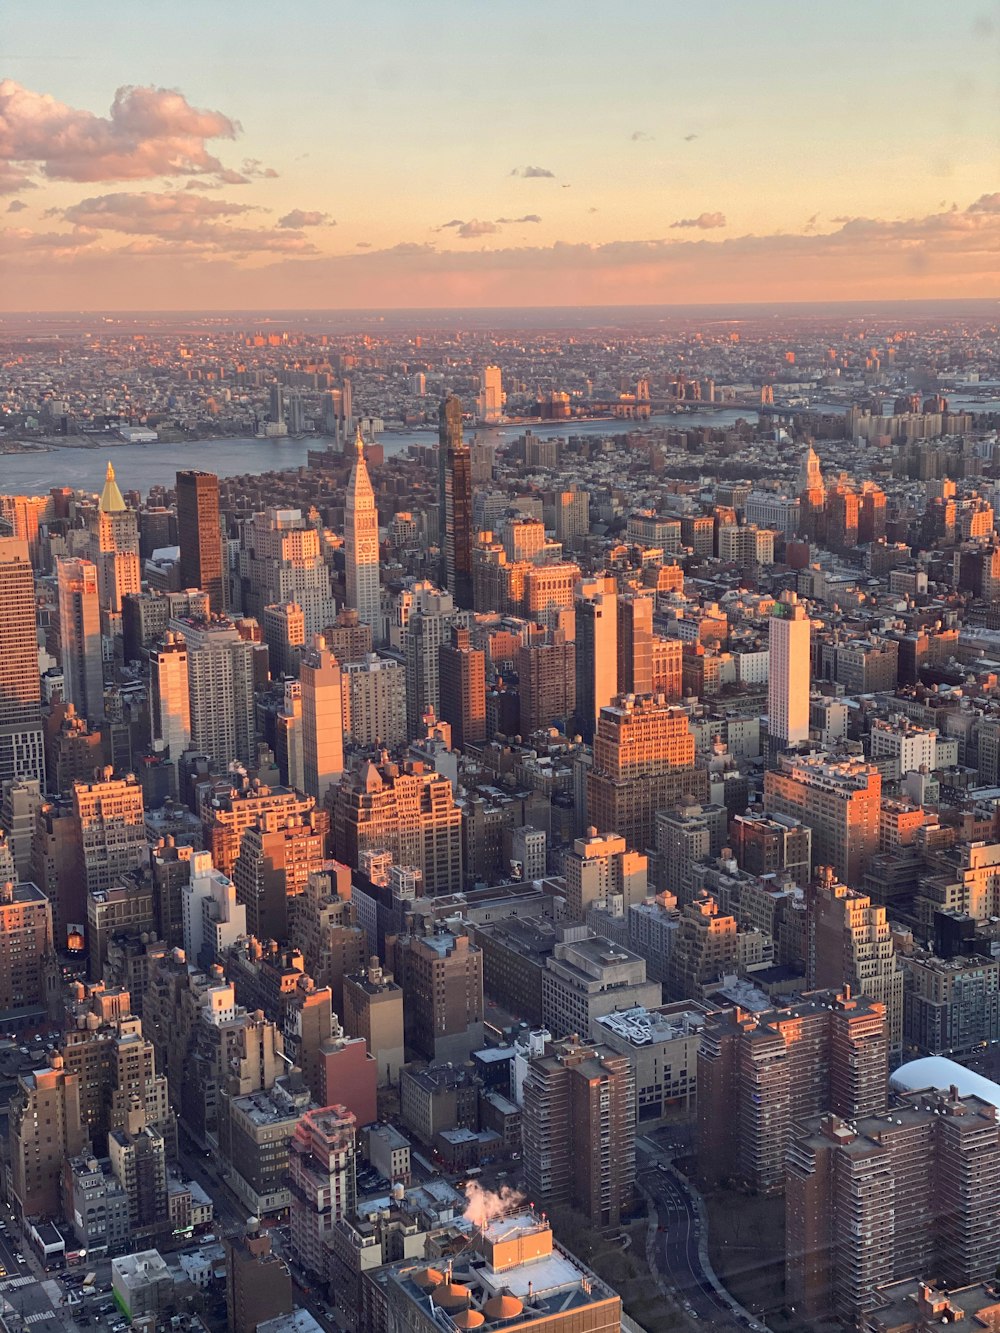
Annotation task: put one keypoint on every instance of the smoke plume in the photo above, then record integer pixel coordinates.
(485, 1206)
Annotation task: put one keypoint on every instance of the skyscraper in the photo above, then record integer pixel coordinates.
(455, 478)
(489, 403)
(789, 629)
(463, 689)
(281, 561)
(321, 1173)
(80, 638)
(596, 651)
(22, 752)
(200, 536)
(114, 546)
(361, 542)
(169, 696)
(322, 719)
(635, 644)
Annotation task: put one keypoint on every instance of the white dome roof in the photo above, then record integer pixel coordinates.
(937, 1071)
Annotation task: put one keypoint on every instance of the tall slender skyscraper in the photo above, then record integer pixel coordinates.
(361, 542)
(788, 674)
(114, 547)
(200, 536)
(455, 480)
(169, 696)
(80, 638)
(322, 719)
(22, 751)
(596, 650)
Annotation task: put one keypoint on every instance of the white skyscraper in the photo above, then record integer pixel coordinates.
(322, 719)
(788, 673)
(169, 696)
(361, 542)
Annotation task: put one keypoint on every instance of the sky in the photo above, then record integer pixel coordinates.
(237, 154)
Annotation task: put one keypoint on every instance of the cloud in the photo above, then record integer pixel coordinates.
(690, 138)
(363, 245)
(253, 166)
(640, 136)
(16, 206)
(474, 227)
(513, 222)
(189, 221)
(704, 221)
(149, 132)
(299, 217)
(532, 173)
(986, 203)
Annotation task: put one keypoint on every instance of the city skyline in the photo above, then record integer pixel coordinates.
(754, 157)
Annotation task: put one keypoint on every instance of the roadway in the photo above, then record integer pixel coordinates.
(676, 1251)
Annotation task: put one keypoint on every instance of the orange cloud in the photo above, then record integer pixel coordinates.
(704, 221)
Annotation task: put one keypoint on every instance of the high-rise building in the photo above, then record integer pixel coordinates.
(430, 620)
(375, 691)
(199, 533)
(45, 1128)
(323, 722)
(463, 689)
(323, 1182)
(489, 402)
(170, 697)
(578, 1129)
(875, 1198)
(80, 642)
(455, 477)
(26, 932)
(221, 687)
(758, 1074)
(373, 1009)
(361, 542)
(599, 868)
(596, 651)
(789, 630)
(643, 762)
(112, 828)
(212, 917)
(285, 636)
(441, 974)
(22, 751)
(546, 670)
(228, 811)
(277, 856)
(635, 644)
(839, 799)
(850, 942)
(114, 546)
(280, 561)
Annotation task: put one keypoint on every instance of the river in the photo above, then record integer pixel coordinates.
(140, 466)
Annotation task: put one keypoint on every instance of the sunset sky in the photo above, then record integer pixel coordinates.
(328, 153)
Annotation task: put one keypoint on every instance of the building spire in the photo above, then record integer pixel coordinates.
(111, 501)
(359, 444)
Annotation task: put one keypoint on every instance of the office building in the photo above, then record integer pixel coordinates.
(596, 651)
(285, 636)
(45, 1128)
(463, 689)
(788, 639)
(635, 645)
(170, 697)
(455, 480)
(489, 402)
(546, 670)
(227, 811)
(662, 1046)
(22, 754)
(221, 688)
(114, 547)
(212, 917)
(111, 828)
(255, 1132)
(204, 563)
(72, 749)
(578, 1129)
(586, 977)
(375, 691)
(643, 762)
(361, 542)
(281, 560)
(850, 942)
(838, 799)
(772, 845)
(80, 640)
(373, 1009)
(26, 955)
(428, 629)
(409, 813)
(599, 868)
(441, 975)
(277, 856)
(322, 1180)
(323, 720)
(759, 1074)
